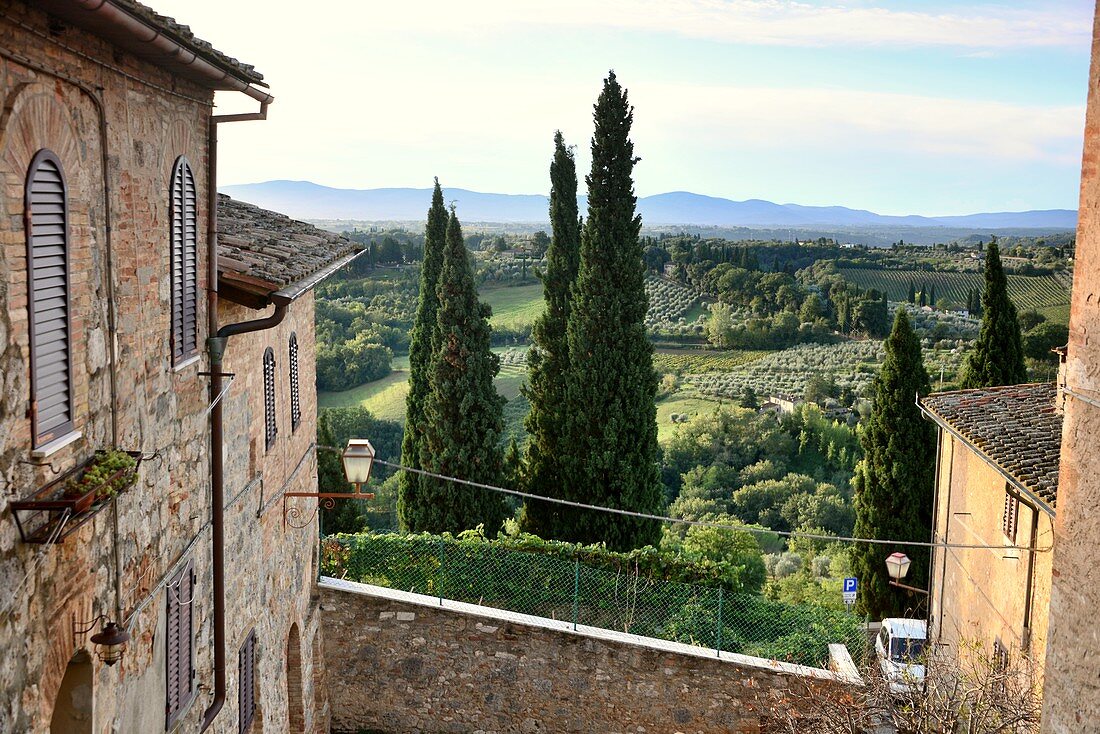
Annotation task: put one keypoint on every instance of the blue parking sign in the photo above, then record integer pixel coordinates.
(849, 589)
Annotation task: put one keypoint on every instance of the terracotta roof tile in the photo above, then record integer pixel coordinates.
(272, 247)
(1016, 427)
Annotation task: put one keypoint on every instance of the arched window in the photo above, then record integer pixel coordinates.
(185, 283)
(295, 397)
(47, 221)
(270, 427)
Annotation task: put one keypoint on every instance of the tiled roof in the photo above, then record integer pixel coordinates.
(1015, 427)
(183, 34)
(159, 25)
(264, 247)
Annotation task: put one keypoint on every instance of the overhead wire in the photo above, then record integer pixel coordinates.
(709, 523)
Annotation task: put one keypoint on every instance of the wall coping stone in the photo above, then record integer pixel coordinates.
(558, 625)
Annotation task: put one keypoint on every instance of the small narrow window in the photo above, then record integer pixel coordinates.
(179, 659)
(246, 689)
(270, 427)
(185, 283)
(47, 225)
(295, 397)
(1011, 516)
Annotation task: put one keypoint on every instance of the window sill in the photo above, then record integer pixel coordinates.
(193, 359)
(55, 445)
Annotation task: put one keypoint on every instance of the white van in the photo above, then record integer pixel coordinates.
(900, 649)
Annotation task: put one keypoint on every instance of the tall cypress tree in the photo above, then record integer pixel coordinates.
(423, 342)
(894, 481)
(463, 418)
(548, 358)
(912, 293)
(998, 355)
(610, 412)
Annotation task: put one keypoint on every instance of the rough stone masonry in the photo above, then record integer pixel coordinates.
(402, 663)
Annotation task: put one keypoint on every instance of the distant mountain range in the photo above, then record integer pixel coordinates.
(307, 200)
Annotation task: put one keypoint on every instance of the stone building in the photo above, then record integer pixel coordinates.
(996, 485)
(107, 153)
(1071, 701)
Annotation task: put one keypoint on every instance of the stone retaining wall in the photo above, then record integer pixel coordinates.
(400, 662)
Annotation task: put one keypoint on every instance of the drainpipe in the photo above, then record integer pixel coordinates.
(216, 346)
(1028, 592)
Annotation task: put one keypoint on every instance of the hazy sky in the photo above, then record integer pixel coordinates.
(926, 106)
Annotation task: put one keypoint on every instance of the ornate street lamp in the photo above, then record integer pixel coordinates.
(110, 642)
(358, 458)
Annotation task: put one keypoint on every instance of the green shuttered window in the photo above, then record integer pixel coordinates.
(47, 226)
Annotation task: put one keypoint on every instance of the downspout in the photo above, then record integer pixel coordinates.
(1028, 592)
(935, 525)
(216, 346)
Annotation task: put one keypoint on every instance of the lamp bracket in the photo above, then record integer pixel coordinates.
(324, 499)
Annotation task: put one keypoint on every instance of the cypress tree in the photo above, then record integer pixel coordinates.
(548, 358)
(998, 355)
(423, 341)
(463, 415)
(923, 294)
(932, 297)
(610, 409)
(912, 293)
(894, 481)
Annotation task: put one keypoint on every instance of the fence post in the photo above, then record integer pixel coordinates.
(718, 646)
(576, 590)
(442, 566)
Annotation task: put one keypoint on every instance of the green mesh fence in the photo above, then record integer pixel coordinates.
(482, 572)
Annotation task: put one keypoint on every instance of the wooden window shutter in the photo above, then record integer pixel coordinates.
(246, 696)
(271, 429)
(46, 219)
(179, 660)
(185, 283)
(295, 394)
(1011, 517)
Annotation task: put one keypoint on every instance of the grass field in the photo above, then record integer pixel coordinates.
(1047, 294)
(385, 398)
(680, 402)
(698, 361)
(514, 307)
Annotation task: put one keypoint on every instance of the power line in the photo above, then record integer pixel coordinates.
(705, 523)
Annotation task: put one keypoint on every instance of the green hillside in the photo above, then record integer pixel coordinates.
(1044, 293)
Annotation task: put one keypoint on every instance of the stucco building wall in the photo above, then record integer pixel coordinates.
(980, 595)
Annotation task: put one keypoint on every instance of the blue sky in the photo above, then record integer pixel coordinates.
(899, 107)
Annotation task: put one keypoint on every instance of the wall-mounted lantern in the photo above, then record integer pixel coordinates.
(110, 641)
(358, 459)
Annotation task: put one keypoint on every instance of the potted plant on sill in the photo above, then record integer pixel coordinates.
(108, 473)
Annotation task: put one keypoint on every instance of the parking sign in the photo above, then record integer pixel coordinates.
(851, 586)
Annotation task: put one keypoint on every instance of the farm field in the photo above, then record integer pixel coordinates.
(515, 307)
(684, 403)
(1047, 294)
(698, 361)
(385, 398)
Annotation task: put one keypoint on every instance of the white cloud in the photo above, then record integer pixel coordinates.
(764, 22)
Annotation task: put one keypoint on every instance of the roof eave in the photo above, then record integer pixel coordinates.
(1026, 493)
(258, 294)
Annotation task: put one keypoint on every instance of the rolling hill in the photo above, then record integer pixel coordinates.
(307, 200)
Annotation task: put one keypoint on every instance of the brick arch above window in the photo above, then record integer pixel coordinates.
(46, 217)
(271, 429)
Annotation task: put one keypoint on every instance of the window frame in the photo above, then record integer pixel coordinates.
(180, 353)
(247, 653)
(271, 424)
(39, 439)
(174, 600)
(1010, 516)
(295, 383)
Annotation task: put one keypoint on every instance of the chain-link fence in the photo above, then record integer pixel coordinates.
(485, 573)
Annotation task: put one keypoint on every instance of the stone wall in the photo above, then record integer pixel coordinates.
(400, 662)
(152, 118)
(1072, 695)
